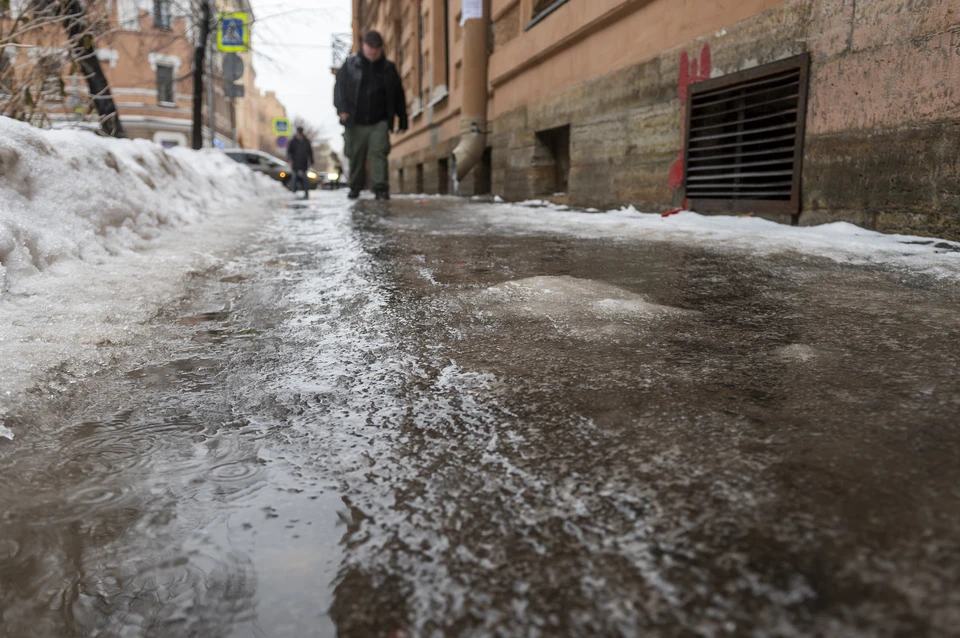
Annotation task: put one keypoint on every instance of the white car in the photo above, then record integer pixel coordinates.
(270, 165)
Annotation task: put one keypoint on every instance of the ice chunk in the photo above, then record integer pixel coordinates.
(581, 308)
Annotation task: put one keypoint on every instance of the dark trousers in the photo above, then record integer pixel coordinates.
(300, 177)
(372, 140)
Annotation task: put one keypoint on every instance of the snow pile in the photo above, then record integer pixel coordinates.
(838, 241)
(73, 195)
(97, 234)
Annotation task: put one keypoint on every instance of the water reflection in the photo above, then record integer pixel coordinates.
(102, 532)
(150, 520)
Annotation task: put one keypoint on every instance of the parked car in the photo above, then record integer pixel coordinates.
(271, 166)
(333, 181)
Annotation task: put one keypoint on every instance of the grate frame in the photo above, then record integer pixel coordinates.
(744, 140)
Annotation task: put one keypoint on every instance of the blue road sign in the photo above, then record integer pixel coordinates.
(282, 142)
(233, 33)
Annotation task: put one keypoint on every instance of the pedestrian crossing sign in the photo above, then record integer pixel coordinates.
(233, 32)
(281, 126)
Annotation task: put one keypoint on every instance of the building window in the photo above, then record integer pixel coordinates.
(426, 65)
(445, 57)
(420, 65)
(169, 139)
(6, 74)
(52, 85)
(744, 140)
(543, 8)
(161, 14)
(165, 88)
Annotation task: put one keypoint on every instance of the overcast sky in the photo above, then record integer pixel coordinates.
(292, 56)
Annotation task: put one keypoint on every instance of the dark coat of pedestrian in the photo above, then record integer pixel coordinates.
(300, 152)
(370, 102)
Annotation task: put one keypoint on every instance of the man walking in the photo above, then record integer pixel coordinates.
(300, 154)
(369, 99)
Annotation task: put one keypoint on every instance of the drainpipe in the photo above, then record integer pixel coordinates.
(473, 113)
(357, 9)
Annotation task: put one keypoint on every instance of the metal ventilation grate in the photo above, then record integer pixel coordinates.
(744, 144)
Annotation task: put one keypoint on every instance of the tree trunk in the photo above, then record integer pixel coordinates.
(85, 54)
(199, 58)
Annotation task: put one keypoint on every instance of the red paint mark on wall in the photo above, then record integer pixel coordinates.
(691, 72)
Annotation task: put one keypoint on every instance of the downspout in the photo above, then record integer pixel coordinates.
(473, 112)
(357, 9)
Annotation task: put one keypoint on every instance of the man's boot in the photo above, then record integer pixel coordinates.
(353, 194)
(383, 194)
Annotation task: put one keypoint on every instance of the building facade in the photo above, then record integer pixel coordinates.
(269, 108)
(804, 111)
(148, 60)
(146, 49)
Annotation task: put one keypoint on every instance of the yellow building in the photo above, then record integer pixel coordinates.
(146, 52)
(270, 107)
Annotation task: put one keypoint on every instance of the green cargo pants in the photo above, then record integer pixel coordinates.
(361, 140)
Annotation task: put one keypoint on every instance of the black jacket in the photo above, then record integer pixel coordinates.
(300, 154)
(346, 93)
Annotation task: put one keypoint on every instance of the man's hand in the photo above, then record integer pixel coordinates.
(344, 117)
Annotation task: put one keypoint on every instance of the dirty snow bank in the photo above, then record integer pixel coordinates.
(96, 235)
(838, 241)
(73, 195)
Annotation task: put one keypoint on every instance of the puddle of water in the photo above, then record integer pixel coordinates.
(192, 375)
(217, 315)
(153, 520)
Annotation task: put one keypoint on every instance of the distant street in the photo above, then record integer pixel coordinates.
(408, 419)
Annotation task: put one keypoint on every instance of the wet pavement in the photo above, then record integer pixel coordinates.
(401, 419)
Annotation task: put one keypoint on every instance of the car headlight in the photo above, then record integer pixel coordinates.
(333, 176)
(312, 175)
(282, 175)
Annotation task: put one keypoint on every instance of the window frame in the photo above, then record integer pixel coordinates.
(6, 75)
(759, 206)
(159, 15)
(173, 87)
(542, 15)
(52, 86)
(420, 63)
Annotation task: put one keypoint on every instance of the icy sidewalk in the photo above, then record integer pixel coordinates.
(839, 241)
(96, 234)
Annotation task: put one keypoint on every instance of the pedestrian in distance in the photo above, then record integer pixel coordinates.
(370, 102)
(300, 154)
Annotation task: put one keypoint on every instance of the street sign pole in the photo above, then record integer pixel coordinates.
(233, 36)
(233, 110)
(211, 106)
